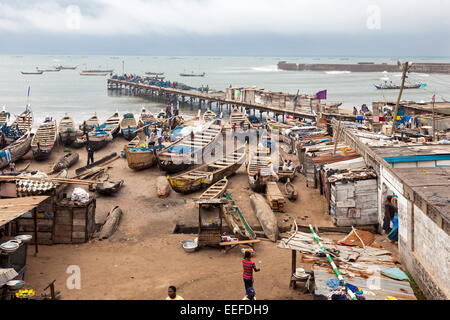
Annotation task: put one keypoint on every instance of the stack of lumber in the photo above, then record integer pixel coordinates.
(275, 197)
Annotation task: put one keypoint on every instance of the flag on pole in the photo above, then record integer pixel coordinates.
(321, 95)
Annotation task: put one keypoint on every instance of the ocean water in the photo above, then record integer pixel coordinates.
(57, 93)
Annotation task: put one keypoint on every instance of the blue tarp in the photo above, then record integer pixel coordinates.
(181, 149)
(394, 273)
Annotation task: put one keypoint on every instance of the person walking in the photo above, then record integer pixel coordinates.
(90, 150)
(159, 135)
(248, 266)
(172, 294)
(152, 138)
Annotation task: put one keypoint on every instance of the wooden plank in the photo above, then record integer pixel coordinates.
(231, 243)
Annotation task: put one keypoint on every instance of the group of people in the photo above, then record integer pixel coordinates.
(390, 222)
(248, 267)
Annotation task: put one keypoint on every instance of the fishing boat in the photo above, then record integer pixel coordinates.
(209, 116)
(67, 131)
(185, 152)
(92, 73)
(99, 138)
(90, 123)
(239, 120)
(15, 150)
(132, 144)
(109, 187)
(111, 125)
(98, 71)
(4, 117)
(66, 161)
(24, 121)
(284, 173)
(155, 73)
(255, 122)
(387, 86)
(192, 74)
(208, 174)
(146, 117)
(275, 125)
(44, 140)
(265, 216)
(32, 72)
(128, 126)
(290, 191)
(236, 220)
(49, 70)
(260, 169)
(216, 190)
(139, 158)
(65, 67)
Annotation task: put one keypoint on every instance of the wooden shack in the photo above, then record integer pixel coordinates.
(354, 198)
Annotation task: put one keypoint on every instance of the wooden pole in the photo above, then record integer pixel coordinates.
(36, 250)
(405, 69)
(337, 136)
(434, 122)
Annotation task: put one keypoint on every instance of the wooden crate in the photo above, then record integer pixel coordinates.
(74, 222)
(276, 199)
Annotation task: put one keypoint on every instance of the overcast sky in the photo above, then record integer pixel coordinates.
(226, 27)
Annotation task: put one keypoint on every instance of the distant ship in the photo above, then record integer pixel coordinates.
(192, 74)
(155, 73)
(32, 72)
(96, 72)
(65, 68)
(394, 86)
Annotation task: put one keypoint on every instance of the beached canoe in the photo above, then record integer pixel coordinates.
(15, 150)
(265, 215)
(99, 139)
(209, 116)
(290, 191)
(44, 140)
(240, 120)
(24, 120)
(236, 220)
(90, 123)
(4, 117)
(192, 74)
(128, 126)
(216, 190)
(140, 158)
(66, 161)
(208, 174)
(259, 169)
(146, 117)
(111, 124)
(132, 144)
(109, 187)
(67, 131)
(185, 152)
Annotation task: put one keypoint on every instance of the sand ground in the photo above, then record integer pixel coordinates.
(144, 257)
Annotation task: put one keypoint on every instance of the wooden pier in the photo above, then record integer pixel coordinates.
(192, 96)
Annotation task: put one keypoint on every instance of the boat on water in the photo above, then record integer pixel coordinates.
(209, 173)
(192, 74)
(15, 150)
(92, 73)
(389, 86)
(24, 121)
(60, 67)
(4, 117)
(67, 131)
(66, 161)
(32, 72)
(49, 70)
(186, 151)
(140, 157)
(145, 117)
(128, 126)
(90, 123)
(154, 73)
(44, 140)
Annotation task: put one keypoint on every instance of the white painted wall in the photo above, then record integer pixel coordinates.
(432, 245)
